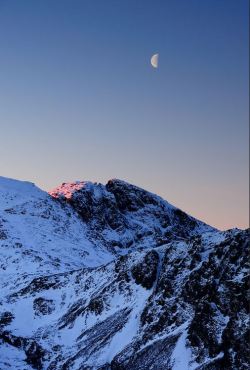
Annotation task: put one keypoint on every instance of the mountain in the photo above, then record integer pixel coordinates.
(112, 277)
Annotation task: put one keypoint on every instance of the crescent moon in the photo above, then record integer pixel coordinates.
(154, 60)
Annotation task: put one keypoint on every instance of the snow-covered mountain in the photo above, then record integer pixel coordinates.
(113, 277)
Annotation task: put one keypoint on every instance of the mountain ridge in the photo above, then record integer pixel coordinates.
(113, 277)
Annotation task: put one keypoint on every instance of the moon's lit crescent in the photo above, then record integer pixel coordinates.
(154, 60)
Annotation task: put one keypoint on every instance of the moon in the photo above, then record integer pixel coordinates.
(154, 60)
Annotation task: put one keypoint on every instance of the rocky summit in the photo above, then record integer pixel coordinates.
(112, 277)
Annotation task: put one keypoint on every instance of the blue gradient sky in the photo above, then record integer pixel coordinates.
(79, 99)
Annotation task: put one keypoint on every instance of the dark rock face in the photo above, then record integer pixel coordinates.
(100, 334)
(128, 197)
(212, 298)
(43, 306)
(96, 305)
(155, 356)
(136, 216)
(218, 291)
(5, 319)
(34, 352)
(145, 271)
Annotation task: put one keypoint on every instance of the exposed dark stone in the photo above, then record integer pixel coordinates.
(43, 306)
(96, 305)
(5, 318)
(145, 272)
(93, 339)
(3, 235)
(40, 284)
(121, 269)
(183, 219)
(34, 352)
(73, 312)
(156, 356)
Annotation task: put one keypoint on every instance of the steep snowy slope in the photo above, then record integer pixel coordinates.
(40, 235)
(113, 277)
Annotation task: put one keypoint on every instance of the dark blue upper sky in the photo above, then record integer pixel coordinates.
(80, 100)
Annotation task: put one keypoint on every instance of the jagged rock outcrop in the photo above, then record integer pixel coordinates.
(145, 271)
(121, 215)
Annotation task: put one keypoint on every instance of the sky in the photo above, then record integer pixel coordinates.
(79, 99)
